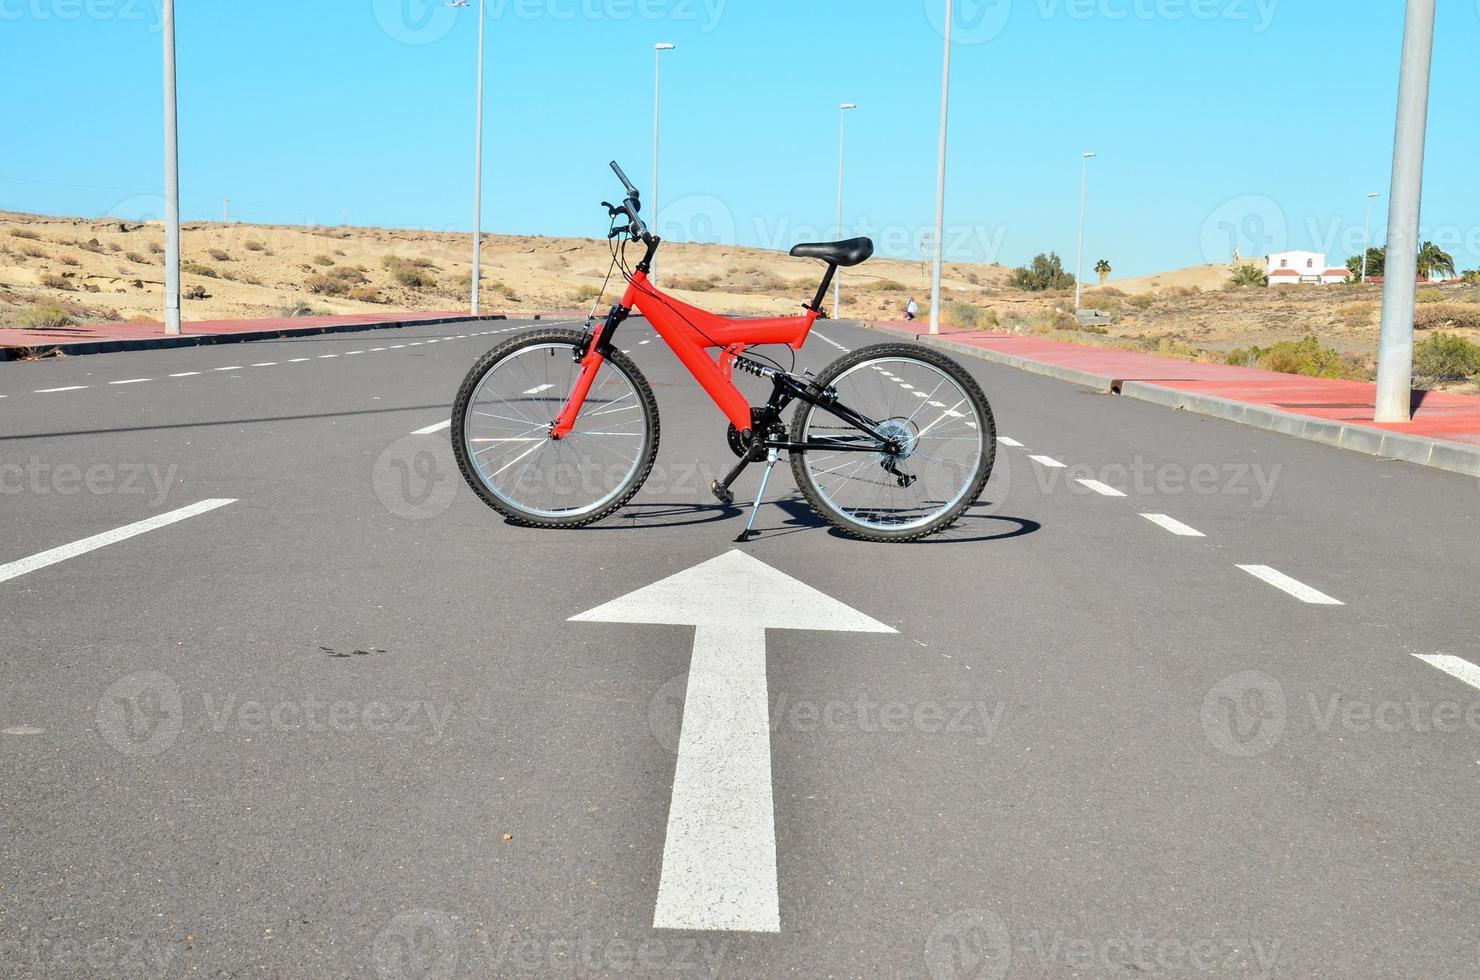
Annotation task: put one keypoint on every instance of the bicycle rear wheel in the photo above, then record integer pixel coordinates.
(935, 415)
(501, 424)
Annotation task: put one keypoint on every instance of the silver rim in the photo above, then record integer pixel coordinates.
(933, 418)
(506, 433)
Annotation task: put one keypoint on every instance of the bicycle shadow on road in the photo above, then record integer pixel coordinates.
(977, 524)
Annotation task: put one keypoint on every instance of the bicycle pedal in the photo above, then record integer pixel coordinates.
(722, 493)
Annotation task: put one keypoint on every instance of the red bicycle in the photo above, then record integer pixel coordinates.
(558, 428)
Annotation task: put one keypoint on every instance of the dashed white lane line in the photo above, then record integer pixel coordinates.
(1174, 525)
(1103, 489)
(351, 353)
(1453, 666)
(1295, 588)
(266, 364)
(1048, 461)
(185, 374)
(131, 381)
(536, 390)
(321, 357)
(48, 391)
(1005, 440)
(376, 349)
(298, 360)
(16, 569)
(433, 428)
(229, 367)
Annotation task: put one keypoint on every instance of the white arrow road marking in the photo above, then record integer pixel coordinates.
(1453, 666)
(719, 858)
(433, 428)
(18, 568)
(1296, 588)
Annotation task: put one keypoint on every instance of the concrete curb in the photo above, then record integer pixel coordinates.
(203, 340)
(1455, 457)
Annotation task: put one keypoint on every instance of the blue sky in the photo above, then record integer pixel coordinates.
(1261, 123)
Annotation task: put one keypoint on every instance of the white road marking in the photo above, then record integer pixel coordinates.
(1005, 440)
(719, 857)
(1103, 489)
(1295, 588)
(350, 353)
(185, 374)
(536, 391)
(131, 381)
(48, 391)
(299, 360)
(433, 428)
(641, 342)
(397, 346)
(1453, 666)
(321, 357)
(375, 349)
(1174, 525)
(1048, 461)
(266, 364)
(232, 367)
(23, 566)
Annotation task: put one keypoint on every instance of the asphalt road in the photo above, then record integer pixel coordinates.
(343, 725)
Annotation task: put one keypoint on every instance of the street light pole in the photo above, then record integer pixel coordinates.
(1079, 262)
(1400, 270)
(837, 282)
(478, 171)
(658, 50)
(171, 179)
(940, 179)
(1367, 235)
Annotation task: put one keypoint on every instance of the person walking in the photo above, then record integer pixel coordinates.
(911, 309)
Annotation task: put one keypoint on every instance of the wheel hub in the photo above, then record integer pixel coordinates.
(900, 435)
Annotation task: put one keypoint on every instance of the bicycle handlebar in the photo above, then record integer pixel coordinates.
(631, 206)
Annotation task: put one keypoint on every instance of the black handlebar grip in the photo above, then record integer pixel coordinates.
(623, 178)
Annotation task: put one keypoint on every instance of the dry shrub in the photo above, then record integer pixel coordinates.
(253, 245)
(69, 260)
(322, 260)
(219, 255)
(46, 317)
(325, 286)
(53, 281)
(25, 233)
(1356, 315)
(1447, 316)
(366, 294)
(347, 273)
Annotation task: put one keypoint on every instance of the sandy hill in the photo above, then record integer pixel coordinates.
(105, 269)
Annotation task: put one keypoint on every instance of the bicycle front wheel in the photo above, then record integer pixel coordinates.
(941, 443)
(501, 432)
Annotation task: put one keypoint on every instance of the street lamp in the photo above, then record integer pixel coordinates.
(171, 179)
(1400, 268)
(837, 283)
(940, 179)
(1367, 234)
(658, 50)
(477, 162)
(1079, 263)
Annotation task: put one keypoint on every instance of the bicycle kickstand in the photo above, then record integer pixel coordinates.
(771, 458)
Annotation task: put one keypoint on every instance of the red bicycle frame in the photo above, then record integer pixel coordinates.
(690, 332)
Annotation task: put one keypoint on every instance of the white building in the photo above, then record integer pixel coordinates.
(1296, 267)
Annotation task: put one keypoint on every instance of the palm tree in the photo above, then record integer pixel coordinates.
(1102, 267)
(1434, 262)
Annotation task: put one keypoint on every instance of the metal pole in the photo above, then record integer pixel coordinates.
(1395, 347)
(478, 170)
(1367, 236)
(658, 50)
(1079, 262)
(838, 280)
(937, 264)
(171, 179)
